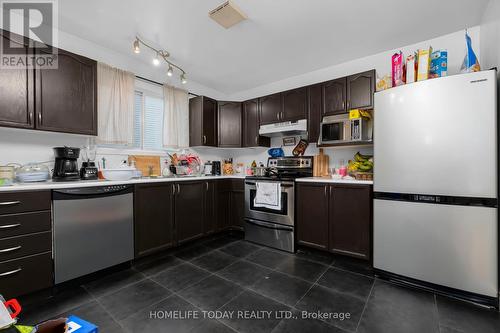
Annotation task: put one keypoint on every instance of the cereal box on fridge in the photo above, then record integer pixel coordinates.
(439, 64)
(411, 68)
(397, 69)
(424, 64)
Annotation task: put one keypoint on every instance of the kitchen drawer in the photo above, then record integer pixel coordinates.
(19, 202)
(25, 223)
(20, 246)
(25, 275)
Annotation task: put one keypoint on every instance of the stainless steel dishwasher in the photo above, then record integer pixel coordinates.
(93, 229)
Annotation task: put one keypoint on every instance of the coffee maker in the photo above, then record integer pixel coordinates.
(66, 165)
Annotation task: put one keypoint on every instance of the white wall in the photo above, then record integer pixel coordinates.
(25, 146)
(490, 36)
(454, 43)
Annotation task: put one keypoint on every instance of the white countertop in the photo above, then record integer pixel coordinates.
(331, 180)
(51, 185)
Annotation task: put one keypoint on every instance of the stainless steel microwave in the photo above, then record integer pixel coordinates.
(340, 129)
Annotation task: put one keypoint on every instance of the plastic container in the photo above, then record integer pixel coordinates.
(32, 172)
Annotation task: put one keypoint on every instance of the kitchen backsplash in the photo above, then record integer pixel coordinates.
(23, 146)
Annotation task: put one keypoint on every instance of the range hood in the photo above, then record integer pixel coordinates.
(298, 127)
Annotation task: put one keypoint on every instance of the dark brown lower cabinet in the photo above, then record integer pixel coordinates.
(25, 242)
(210, 223)
(189, 210)
(26, 274)
(237, 209)
(335, 217)
(312, 215)
(154, 219)
(350, 220)
(230, 203)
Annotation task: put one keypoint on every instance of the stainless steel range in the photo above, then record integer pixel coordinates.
(270, 202)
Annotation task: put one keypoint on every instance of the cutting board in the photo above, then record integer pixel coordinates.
(143, 162)
(321, 164)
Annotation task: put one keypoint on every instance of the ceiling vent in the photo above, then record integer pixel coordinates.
(227, 14)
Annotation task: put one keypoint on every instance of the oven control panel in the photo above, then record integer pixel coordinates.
(290, 162)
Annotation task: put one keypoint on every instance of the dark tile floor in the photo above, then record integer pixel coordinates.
(226, 275)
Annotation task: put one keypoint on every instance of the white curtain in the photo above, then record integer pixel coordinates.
(175, 118)
(115, 98)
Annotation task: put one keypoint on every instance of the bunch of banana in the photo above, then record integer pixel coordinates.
(363, 163)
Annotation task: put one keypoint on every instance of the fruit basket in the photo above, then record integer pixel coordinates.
(361, 166)
(363, 175)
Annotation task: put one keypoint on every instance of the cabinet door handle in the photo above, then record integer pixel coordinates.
(11, 249)
(348, 105)
(40, 118)
(173, 189)
(343, 104)
(204, 139)
(11, 272)
(331, 192)
(10, 226)
(326, 193)
(178, 188)
(257, 140)
(10, 203)
(30, 118)
(278, 115)
(206, 186)
(282, 115)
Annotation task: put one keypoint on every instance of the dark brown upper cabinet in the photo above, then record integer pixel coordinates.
(334, 97)
(154, 218)
(251, 137)
(189, 210)
(62, 99)
(202, 121)
(229, 124)
(66, 97)
(17, 89)
(360, 90)
(270, 109)
(294, 104)
(314, 111)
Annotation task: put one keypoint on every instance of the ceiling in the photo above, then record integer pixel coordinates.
(280, 39)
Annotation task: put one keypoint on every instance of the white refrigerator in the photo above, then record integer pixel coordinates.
(435, 185)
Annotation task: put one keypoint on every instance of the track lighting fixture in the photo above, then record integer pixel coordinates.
(156, 60)
(137, 48)
(160, 54)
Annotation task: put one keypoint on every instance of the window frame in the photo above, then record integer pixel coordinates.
(146, 89)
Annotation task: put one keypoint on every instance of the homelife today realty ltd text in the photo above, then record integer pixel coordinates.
(247, 314)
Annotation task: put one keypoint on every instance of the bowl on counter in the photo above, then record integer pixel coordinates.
(119, 174)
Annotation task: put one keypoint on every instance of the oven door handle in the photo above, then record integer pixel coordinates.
(267, 225)
(282, 184)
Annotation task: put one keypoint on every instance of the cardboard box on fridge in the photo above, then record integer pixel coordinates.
(397, 69)
(424, 63)
(411, 68)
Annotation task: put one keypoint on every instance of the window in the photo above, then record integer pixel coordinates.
(148, 120)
